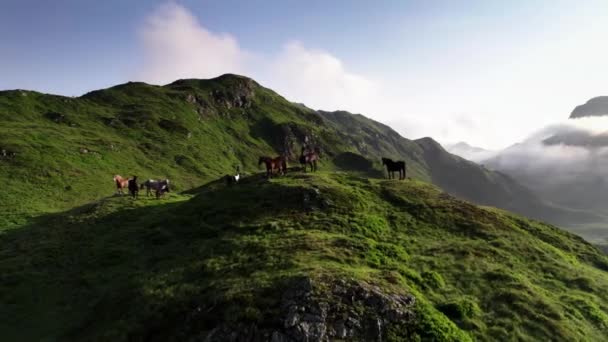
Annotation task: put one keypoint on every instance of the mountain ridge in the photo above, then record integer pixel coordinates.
(133, 123)
(339, 254)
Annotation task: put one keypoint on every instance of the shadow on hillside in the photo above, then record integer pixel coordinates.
(353, 162)
(107, 261)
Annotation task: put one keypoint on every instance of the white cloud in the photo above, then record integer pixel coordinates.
(560, 153)
(448, 104)
(177, 46)
(320, 80)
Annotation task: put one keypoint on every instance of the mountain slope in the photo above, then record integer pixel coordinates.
(597, 106)
(301, 256)
(62, 151)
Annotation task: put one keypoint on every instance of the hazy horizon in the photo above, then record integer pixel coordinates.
(484, 72)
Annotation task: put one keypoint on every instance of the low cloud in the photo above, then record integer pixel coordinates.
(565, 154)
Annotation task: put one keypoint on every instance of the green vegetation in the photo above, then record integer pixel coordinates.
(61, 152)
(118, 267)
(78, 264)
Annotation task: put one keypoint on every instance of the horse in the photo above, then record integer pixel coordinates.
(234, 179)
(392, 166)
(133, 188)
(158, 186)
(148, 184)
(121, 183)
(308, 157)
(279, 163)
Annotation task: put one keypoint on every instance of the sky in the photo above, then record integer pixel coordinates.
(490, 73)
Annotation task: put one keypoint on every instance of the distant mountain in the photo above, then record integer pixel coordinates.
(472, 153)
(597, 106)
(566, 164)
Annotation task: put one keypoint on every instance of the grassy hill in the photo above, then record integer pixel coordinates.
(59, 152)
(341, 253)
(301, 256)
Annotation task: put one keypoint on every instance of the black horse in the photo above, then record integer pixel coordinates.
(392, 166)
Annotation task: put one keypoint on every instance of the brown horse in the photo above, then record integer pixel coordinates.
(121, 183)
(279, 163)
(309, 157)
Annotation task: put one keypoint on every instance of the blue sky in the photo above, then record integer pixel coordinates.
(488, 72)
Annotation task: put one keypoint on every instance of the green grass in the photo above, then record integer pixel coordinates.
(195, 131)
(77, 263)
(118, 267)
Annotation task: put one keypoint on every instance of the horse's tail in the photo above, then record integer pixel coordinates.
(284, 164)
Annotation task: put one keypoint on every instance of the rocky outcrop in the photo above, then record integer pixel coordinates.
(239, 94)
(597, 106)
(341, 310)
(7, 154)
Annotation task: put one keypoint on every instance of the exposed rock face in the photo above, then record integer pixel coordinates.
(240, 94)
(345, 311)
(290, 136)
(597, 106)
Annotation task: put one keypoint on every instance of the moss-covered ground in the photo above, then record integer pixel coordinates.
(119, 269)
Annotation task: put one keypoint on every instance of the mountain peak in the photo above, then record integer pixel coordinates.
(597, 106)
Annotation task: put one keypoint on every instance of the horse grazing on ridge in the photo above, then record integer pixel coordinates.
(279, 163)
(392, 166)
(158, 186)
(308, 157)
(121, 184)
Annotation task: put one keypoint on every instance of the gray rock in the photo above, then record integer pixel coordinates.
(345, 310)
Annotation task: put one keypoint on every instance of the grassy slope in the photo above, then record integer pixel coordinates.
(194, 131)
(117, 268)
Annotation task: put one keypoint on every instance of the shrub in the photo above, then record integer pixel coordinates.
(460, 309)
(433, 280)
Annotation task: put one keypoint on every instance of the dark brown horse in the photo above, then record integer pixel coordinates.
(279, 163)
(308, 157)
(392, 166)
